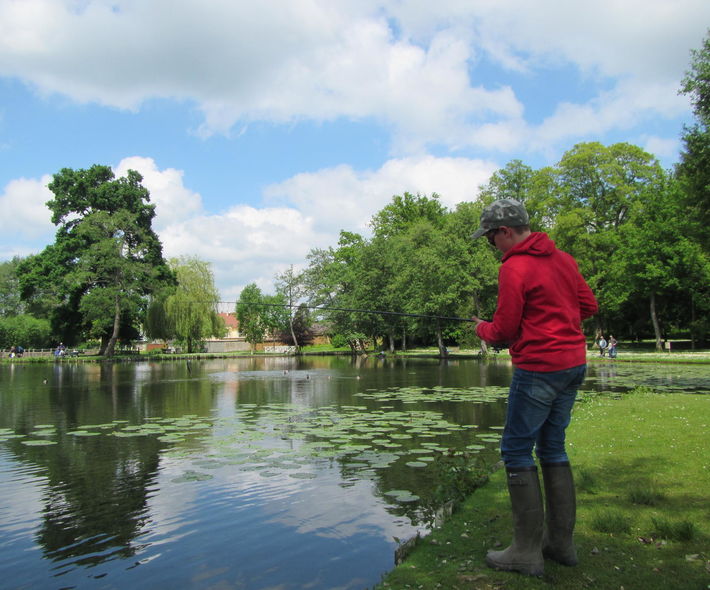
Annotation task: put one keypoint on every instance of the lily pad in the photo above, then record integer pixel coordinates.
(192, 476)
(302, 475)
(416, 464)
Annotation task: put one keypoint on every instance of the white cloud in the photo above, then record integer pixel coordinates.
(173, 202)
(252, 244)
(619, 109)
(343, 198)
(413, 66)
(660, 147)
(245, 244)
(24, 209)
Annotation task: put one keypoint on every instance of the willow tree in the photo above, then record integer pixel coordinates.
(191, 310)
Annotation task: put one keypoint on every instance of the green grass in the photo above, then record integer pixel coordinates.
(643, 519)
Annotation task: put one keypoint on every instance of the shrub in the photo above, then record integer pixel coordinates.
(339, 341)
(26, 331)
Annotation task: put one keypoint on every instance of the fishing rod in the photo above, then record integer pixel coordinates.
(374, 311)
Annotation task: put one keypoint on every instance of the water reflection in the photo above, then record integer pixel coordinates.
(231, 472)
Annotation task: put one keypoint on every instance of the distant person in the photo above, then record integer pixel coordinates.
(612, 346)
(542, 300)
(602, 345)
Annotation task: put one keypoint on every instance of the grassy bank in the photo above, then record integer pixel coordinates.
(642, 472)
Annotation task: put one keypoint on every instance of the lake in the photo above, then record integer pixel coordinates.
(255, 473)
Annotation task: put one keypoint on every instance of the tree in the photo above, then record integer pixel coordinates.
(331, 280)
(114, 268)
(694, 166)
(250, 315)
(157, 323)
(596, 188)
(395, 260)
(289, 284)
(660, 264)
(106, 259)
(275, 314)
(405, 210)
(421, 260)
(191, 309)
(10, 301)
(302, 324)
(478, 269)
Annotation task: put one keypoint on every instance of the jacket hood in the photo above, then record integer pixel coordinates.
(536, 244)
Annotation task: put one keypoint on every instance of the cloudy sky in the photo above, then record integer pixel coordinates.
(264, 128)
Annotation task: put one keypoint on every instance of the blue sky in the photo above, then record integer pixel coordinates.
(263, 129)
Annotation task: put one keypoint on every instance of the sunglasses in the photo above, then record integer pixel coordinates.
(491, 236)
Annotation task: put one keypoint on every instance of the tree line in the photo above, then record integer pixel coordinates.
(638, 232)
(614, 208)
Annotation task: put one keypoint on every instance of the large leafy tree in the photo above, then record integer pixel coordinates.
(333, 279)
(106, 259)
(191, 309)
(596, 187)
(404, 210)
(661, 268)
(404, 255)
(694, 166)
(421, 260)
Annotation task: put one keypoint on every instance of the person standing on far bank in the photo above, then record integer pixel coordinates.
(542, 300)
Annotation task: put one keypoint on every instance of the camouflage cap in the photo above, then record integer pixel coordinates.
(504, 212)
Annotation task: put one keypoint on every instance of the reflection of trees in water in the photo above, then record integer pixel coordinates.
(96, 502)
(437, 483)
(96, 499)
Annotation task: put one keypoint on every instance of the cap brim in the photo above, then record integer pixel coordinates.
(478, 233)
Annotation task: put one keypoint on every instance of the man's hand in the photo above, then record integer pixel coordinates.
(477, 320)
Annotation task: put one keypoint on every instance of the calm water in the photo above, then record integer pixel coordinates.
(251, 473)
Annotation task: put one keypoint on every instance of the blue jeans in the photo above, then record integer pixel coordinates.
(539, 408)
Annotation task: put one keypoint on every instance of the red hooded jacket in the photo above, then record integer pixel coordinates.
(542, 300)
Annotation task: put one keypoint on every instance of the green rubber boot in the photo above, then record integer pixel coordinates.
(561, 507)
(525, 552)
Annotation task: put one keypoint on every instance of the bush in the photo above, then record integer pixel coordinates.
(339, 341)
(26, 331)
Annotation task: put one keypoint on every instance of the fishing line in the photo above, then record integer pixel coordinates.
(373, 311)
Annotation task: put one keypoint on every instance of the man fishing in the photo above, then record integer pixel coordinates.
(542, 300)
